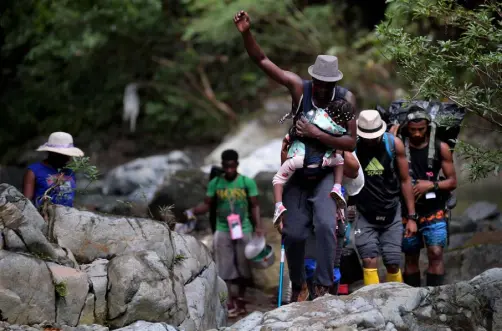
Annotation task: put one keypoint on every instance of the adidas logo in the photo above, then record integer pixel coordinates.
(374, 168)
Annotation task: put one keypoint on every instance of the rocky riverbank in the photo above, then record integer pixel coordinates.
(82, 268)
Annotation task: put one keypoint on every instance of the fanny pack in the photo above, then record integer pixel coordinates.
(380, 218)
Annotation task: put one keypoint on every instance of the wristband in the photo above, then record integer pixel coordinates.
(436, 186)
(413, 217)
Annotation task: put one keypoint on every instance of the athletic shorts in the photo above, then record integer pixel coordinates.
(432, 231)
(374, 240)
(231, 262)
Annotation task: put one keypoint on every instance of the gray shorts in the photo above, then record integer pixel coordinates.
(229, 255)
(373, 240)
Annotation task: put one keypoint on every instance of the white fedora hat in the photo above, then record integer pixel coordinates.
(325, 69)
(370, 125)
(61, 143)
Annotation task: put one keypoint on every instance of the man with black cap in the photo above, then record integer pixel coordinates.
(427, 156)
(306, 195)
(378, 229)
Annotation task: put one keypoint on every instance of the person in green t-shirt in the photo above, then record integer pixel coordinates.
(234, 194)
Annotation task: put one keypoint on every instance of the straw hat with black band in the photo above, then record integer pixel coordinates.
(370, 124)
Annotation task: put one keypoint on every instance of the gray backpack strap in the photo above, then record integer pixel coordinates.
(407, 150)
(431, 155)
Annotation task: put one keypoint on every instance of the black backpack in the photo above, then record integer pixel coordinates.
(215, 172)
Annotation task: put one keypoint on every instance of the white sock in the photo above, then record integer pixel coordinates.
(338, 187)
(278, 204)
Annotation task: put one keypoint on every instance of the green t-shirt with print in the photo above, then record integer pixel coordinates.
(234, 193)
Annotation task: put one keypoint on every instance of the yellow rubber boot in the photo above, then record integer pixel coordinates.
(397, 277)
(371, 276)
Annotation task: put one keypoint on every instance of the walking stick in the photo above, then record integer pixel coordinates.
(281, 273)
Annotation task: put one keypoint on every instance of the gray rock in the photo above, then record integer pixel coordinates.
(93, 327)
(249, 323)
(98, 275)
(91, 236)
(203, 299)
(13, 242)
(221, 310)
(72, 287)
(471, 305)
(182, 190)
(462, 225)
(30, 229)
(481, 211)
(30, 215)
(142, 287)
(143, 174)
(465, 263)
(191, 257)
(87, 314)
(147, 326)
(27, 294)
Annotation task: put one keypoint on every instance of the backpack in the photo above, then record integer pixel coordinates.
(441, 113)
(314, 150)
(215, 172)
(218, 172)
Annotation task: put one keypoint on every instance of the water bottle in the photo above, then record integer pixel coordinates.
(310, 115)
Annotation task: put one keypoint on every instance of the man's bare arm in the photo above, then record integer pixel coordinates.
(450, 183)
(406, 187)
(345, 143)
(203, 207)
(290, 80)
(350, 166)
(255, 214)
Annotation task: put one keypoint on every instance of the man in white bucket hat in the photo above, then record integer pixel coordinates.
(386, 176)
(49, 178)
(306, 195)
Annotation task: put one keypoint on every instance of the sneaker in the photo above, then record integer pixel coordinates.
(337, 195)
(277, 213)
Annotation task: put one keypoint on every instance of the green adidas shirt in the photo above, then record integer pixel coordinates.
(232, 197)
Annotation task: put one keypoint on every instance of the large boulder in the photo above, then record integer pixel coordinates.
(25, 230)
(141, 286)
(131, 269)
(27, 292)
(71, 287)
(91, 236)
(464, 263)
(182, 190)
(472, 305)
(97, 272)
(140, 178)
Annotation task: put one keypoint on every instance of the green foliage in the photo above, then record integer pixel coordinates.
(61, 289)
(461, 61)
(67, 63)
(84, 166)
